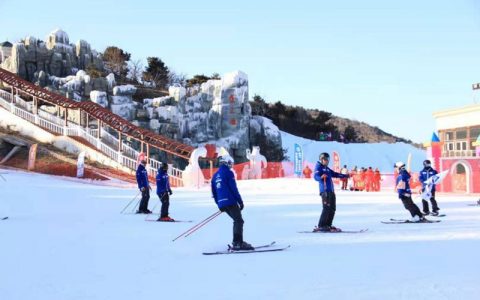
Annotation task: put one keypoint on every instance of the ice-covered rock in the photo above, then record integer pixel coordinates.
(99, 98)
(57, 57)
(177, 92)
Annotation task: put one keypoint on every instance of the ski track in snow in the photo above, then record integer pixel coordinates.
(66, 239)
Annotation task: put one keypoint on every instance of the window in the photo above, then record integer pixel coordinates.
(464, 145)
(474, 133)
(458, 146)
(448, 136)
(450, 146)
(460, 169)
(461, 134)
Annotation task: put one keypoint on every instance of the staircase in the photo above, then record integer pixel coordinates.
(73, 120)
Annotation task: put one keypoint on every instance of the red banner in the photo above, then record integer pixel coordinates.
(336, 165)
(32, 155)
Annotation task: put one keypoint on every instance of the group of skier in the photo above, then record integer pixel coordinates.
(227, 197)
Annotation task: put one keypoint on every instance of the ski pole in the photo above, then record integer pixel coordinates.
(198, 226)
(3, 178)
(130, 202)
(136, 205)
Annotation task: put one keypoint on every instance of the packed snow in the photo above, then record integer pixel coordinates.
(376, 155)
(66, 239)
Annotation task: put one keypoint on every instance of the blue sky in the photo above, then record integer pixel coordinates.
(386, 63)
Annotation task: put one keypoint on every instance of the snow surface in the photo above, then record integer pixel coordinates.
(376, 155)
(66, 239)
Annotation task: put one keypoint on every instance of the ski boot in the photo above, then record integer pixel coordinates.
(334, 229)
(166, 219)
(242, 246)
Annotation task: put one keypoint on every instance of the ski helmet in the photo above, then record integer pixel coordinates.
(400, 165)
(427, 163)
(226, 160)
(324, 155)
(164, 166)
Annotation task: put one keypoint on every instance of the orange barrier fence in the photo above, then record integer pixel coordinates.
(358, 181)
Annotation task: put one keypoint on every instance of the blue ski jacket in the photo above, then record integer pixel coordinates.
(163, 184)
(403, 185)
(323, 174)
(142, 177)
(224, 188)
(425, 174)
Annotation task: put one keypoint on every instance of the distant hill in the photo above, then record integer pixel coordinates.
(320, 125)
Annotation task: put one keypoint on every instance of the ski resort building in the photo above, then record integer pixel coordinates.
(457, 148)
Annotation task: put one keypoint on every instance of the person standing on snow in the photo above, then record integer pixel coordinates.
(425, 174)
(405, 193)
(323, 174)
(164, 192)
(228, 199)
(144, 186)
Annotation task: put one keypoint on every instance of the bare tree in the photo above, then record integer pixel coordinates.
(177, 78)
(135, 69)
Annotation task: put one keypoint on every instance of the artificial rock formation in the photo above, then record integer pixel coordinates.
(55, 56)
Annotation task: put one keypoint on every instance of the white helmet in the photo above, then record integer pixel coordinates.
(400, 165)
(226, 160)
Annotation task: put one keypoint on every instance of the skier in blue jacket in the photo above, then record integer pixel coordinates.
(425, 174)
(405, 193)
(144, 186)
(164, 192)
(323, 174)
(228, 199)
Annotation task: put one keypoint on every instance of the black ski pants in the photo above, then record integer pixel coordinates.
(329, 207)
(144, 202)
(411, 206)
(435, 208)
(165, 200)
(236, 214)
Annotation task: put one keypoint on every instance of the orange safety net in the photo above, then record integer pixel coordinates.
(369, 181)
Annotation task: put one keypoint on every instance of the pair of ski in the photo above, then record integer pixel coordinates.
(340, 231)
(272, 247)
(4, 218)
(398, 221)
(175, 221)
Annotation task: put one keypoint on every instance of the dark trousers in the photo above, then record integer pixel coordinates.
(344, 183)
(411, 206)
(434, 204)
(329, 207)
(236, 214)
(144, 202)
(165, 200)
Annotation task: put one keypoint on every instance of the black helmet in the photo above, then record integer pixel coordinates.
(324, 155)
(427, 163)
(164, 166)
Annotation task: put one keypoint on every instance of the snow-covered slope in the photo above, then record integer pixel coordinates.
(67, 240)
(376, 155)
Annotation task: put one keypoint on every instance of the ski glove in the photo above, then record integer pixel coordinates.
(170, 192)
(241, 206)
(142, 189)
(222, 209)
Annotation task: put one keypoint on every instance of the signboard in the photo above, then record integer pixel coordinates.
(297, 160)
(32, 155)
(81, 165)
